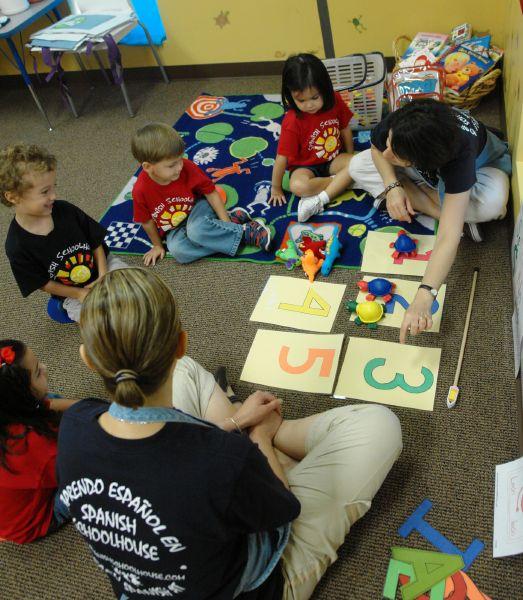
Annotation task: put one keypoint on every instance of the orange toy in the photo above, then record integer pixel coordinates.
(311, 265)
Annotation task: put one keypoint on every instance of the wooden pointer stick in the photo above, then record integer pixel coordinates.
(452, 396)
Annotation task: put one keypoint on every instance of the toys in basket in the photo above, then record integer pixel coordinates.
(411, 83)
(468, 63)
(427, 42)
(359, 78)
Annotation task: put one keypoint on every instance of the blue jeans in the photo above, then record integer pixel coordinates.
(202, 235)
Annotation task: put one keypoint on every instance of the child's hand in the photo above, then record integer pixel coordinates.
(93, 283)
(154, 254)
(81, 293)
(277, 196)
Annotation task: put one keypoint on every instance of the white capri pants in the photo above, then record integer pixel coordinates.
(350, 451)
(488, 196)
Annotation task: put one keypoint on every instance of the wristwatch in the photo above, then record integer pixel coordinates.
(431, 290)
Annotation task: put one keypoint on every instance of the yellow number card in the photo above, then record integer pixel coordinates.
(296, 303)
(389, 373)
(401, 295)
(378, 255)
(293, 361)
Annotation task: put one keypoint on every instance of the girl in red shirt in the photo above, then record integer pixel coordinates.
(316, 140)
(28, 431)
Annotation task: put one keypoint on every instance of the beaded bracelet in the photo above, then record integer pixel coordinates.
(391, 186)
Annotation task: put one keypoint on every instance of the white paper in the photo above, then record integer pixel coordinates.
(508, 509)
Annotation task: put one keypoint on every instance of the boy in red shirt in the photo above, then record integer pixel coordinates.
(174, 200)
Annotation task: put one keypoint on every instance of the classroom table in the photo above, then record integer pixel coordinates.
(17, 24)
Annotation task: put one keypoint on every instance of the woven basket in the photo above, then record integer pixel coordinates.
(472, 96)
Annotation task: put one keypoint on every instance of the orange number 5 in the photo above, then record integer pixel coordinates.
(325, 354)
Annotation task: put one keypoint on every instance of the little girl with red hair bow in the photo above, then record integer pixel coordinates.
(28, 431)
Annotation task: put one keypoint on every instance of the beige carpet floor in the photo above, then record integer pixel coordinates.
(449, 456)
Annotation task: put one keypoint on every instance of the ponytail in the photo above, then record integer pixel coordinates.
(130, 327)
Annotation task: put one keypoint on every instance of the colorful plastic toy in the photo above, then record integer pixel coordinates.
(332, 252)
(368, 312)
(289, 255)
(317, 246)
(404, 246)
(377, 287)
(311, 264)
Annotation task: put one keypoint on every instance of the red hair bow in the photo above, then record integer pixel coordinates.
(7, 356)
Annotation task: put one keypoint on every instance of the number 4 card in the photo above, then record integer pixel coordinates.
(296, 303)
(389, 373)
(294, 361)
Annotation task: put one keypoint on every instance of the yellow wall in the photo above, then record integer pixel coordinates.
(385, 20)
(273, 29)
(513, 91)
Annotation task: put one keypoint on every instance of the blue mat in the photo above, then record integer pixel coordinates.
(234, 139)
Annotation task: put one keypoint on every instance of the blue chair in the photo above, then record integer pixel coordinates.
(56, 311)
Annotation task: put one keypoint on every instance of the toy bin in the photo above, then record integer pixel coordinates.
(359, 78)
(472, 96)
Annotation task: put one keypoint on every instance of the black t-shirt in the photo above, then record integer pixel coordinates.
(459, 173)
(170, 512)
(64, 255)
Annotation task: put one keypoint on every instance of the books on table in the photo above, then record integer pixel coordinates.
(74, 31)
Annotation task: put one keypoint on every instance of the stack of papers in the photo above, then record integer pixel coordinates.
(74, 31)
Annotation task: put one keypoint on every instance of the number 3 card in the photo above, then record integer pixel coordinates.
(296, 303)
(389, 373)
(293, 361)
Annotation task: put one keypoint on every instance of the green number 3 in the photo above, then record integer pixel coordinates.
(398, 380)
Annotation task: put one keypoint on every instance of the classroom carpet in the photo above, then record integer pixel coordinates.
(234, 140)
(448, 456)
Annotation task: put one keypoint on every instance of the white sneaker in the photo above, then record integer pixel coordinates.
(308, 206)
(474, 232)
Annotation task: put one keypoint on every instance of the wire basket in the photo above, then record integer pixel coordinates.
(471, 97)
(359, 80)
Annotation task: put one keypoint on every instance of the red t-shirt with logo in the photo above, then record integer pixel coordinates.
(169, 205)
(313, 139)
(27, 492)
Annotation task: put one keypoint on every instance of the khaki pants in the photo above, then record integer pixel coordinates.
(350, 451)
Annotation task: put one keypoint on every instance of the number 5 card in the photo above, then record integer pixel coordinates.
(389, 373)
(297, 303)
(293, 361)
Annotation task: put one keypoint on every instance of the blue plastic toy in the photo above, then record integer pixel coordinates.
(332, 253)
(404, 245)
(377, 287)
(57, 312)
(416, 522)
